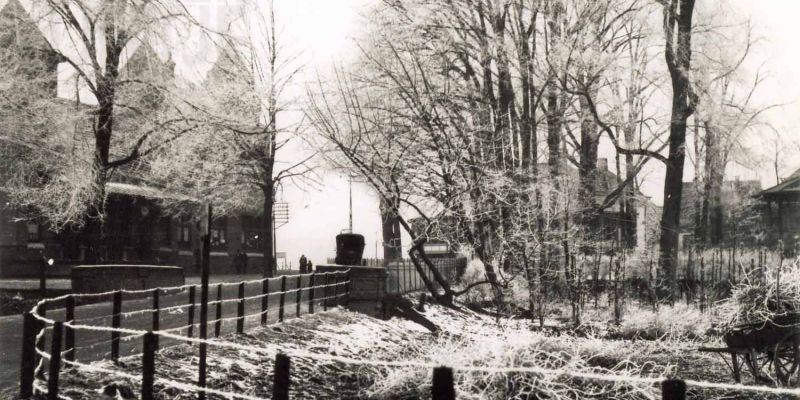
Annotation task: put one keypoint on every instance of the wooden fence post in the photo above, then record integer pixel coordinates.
(325, 292)
(218, 322)
(69, 333)
(41, 311)
(190, 333)
(116, 309)
(28, 364)
(55, 361)
(336, 281)
(311, 290)
(443, 386)
(148, 364)
(264, 300)
(299, 296)
(280, 387)
(240, 310)
(347, 288)
(205, 264)
(156, 313)
(673, 389)
(283, 298)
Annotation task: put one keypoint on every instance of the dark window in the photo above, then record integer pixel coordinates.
(34, 232)
(166, 228)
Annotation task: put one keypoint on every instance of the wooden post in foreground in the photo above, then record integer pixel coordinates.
(673, 389)
(280, 387)
(28, 365)
(443, 386)
(69, 333)
(55, 361)
(205, 255)
(148, 365)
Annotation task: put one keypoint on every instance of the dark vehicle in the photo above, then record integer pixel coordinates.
(770, 349)
(349, 248)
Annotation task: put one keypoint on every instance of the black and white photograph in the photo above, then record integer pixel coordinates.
(399, 199)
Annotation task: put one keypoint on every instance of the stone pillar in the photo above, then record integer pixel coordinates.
(367, 287)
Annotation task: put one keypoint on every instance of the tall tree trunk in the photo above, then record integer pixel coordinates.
(678, 58)
(390, 227)
(588, 172)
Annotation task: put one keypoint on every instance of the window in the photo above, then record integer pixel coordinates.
(34, 234)
(184, 233)
(218, 237)
(252, 240)
(166, 229)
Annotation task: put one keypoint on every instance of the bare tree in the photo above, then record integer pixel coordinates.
(678, 56)
(235, 160)
(129, 112)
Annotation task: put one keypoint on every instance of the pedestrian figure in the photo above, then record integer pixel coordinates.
(240, 262)
(243, 262)
(309, 267)
(303, 264)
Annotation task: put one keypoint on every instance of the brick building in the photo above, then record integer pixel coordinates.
(137, 227)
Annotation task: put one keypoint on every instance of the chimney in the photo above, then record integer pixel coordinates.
(602, 164)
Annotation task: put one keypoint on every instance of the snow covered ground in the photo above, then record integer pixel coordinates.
(340, 354)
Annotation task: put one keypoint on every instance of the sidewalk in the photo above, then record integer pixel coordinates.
(66, 284)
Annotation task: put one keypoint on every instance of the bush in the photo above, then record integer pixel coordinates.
(678, 321)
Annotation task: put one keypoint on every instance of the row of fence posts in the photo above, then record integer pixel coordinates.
(63, 337)
(443, 386)
(65, 334)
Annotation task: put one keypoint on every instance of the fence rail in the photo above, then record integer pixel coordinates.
(334, 288)
(327, 289)
(402, 276)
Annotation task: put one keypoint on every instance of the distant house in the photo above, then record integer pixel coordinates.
(639, 232)
(740, 215)
(782, 216)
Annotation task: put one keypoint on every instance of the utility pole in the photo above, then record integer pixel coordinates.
(350, 179)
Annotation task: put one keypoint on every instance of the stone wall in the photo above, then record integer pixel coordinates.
(367, 287)
(103, 278)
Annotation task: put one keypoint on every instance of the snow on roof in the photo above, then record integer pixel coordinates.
(128, 189)
(790, 187)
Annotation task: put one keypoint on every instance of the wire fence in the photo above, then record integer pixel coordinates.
(40, 369)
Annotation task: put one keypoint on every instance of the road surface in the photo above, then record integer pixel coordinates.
(91, 346)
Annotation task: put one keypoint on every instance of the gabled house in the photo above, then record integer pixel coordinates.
(782, 214)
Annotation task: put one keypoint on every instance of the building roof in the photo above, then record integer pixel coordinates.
(788, 189)
(128, 189)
